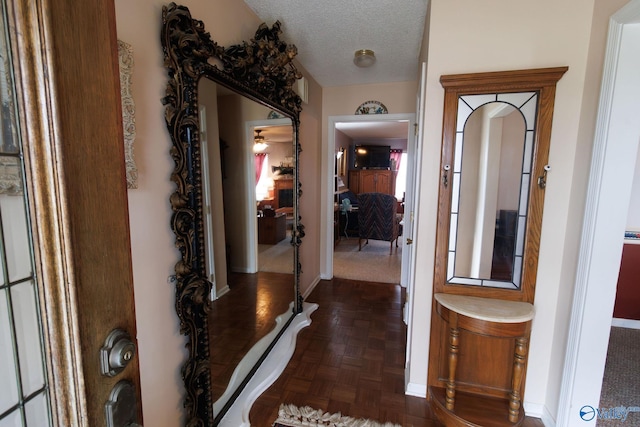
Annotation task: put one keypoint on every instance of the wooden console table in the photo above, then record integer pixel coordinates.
(477, 405)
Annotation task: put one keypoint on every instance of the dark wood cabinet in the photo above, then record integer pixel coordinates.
(372, 181)
(272, 229)
(282, 193)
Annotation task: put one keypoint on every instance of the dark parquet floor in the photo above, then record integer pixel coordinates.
(240, 318)
(351, 359)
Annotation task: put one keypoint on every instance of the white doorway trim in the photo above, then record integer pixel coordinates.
(326, 182)
(613, 163)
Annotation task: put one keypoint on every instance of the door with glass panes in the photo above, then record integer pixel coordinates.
(67, 320)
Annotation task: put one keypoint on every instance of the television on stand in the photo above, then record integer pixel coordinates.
(372, 157)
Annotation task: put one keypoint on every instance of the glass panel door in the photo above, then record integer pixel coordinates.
(24, 396)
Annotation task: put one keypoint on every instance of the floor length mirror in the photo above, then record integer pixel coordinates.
(233, 119)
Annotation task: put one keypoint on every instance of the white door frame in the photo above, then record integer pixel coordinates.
(251, 219)
(326, 183)
(206, 203)
(613, 164)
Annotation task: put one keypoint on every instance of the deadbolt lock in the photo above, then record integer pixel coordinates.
(116, 353)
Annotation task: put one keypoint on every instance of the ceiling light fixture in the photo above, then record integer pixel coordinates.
(259, 143)
(364, 58)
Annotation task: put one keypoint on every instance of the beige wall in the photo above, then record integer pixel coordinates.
(466, 36)
(344, 100)
(161, 347)
(633, 218)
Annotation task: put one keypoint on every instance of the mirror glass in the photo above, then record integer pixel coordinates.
(247, 176)
(490, 179)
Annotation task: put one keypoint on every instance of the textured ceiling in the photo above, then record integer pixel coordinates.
(328, 32)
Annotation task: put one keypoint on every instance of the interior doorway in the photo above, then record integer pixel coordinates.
(370, 157)
(613, 164)
(359, 128)
(278, 134)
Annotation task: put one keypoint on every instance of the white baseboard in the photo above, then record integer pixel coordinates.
(222, 291)
(625, 323)
(540, 411)
(310, 289)
(417, 390)
(547, 419)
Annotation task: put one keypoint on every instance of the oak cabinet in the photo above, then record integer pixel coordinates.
(372, 181)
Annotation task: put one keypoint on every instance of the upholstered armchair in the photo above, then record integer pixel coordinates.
(377, 218)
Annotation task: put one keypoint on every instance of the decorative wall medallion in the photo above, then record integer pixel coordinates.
(275, 115)
(125, 59)
(372, 107)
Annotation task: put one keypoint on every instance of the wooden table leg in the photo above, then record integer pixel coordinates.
(519, 362)
(454, 333)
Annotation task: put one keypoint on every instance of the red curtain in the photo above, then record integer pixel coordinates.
(260, 158)
(396, 156)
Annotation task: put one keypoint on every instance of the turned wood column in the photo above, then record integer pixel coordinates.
(454, 336)
(519, 362)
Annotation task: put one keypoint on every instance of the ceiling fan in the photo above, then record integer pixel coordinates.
(259, 142)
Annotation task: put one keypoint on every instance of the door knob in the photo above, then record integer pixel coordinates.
(116, 353)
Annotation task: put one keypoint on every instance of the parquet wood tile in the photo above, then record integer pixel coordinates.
(351, 359)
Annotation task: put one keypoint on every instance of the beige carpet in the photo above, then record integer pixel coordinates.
(621, 385)
(372, 264)
(276, 258)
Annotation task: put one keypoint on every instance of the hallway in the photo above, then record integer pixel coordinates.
(351, 359)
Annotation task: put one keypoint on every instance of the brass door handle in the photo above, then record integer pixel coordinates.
(409, 241)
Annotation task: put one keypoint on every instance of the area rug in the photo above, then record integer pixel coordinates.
(293, 416)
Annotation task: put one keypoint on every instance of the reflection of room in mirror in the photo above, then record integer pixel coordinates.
(490, 186)
(247, 301)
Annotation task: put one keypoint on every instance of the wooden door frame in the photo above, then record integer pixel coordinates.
(74, 160)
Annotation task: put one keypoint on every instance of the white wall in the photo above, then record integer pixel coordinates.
(633, 219)
(467, 36)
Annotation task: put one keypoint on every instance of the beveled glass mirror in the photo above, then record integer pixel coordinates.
(496, 134)
(216, 100)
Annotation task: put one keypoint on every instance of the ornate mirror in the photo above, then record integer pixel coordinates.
(221, 102)
(494, 165)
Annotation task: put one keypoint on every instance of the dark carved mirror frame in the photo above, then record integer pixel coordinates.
(261, 70)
